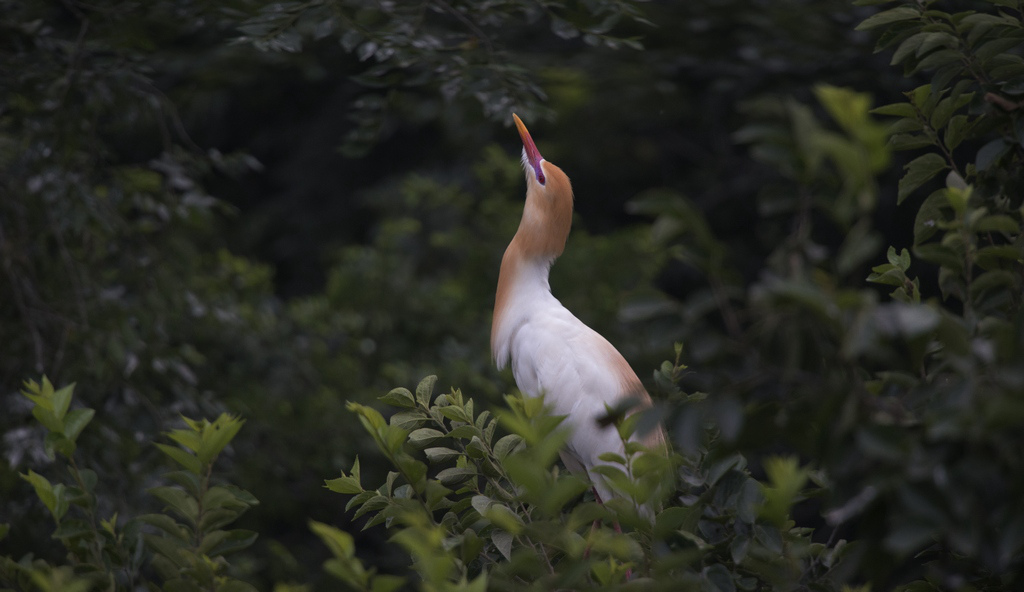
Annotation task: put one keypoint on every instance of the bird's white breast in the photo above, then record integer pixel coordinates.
(554, 354)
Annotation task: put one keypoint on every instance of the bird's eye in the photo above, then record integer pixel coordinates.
(540, 177)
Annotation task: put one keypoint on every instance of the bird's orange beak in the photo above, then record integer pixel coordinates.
(533, 156)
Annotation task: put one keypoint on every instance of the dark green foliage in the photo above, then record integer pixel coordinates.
(850, 412)
(114, 553)
(479, 509)
(458, 50)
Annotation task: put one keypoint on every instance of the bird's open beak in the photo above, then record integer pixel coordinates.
(533, 156)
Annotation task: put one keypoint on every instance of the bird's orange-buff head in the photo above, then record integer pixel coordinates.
(547, 215)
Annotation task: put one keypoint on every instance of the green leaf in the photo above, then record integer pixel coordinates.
(907, 48)
(399, 397)
(785, 480)
(929, 216)
(48, 419)
(991, 153)
(188, 438)
(44, 490)
(170, 549)
(507, 445)
(938, 59)
(455, 475)
(341, 543)
(62, 400)
(503, 542)
(231, 542)
(957, 130)
(992, 256)
(503, 518)
(222, 497)
(166, 524)
(996, 279)
(909, 141)
(893, 15)
(192, 482)
(718, 579)
(465, 432)
(941, 254)
(75, 421)
(902, 261)
(424, 437)
(182, 457)
(441, 454)
(455, 413)
(1001, 223)
(387, 583)
(918, 172)
(56, 442)
(215, 436)
(347, 484)
(179, 501)
(425, 389)
(371, 419)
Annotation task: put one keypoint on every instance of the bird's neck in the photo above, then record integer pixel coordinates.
(523, 281)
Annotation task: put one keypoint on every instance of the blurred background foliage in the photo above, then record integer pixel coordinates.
(274, 208)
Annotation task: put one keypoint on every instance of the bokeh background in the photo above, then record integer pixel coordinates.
(271, 209)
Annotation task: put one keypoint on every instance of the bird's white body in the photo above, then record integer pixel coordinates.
(551, 352)
(580, 374)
